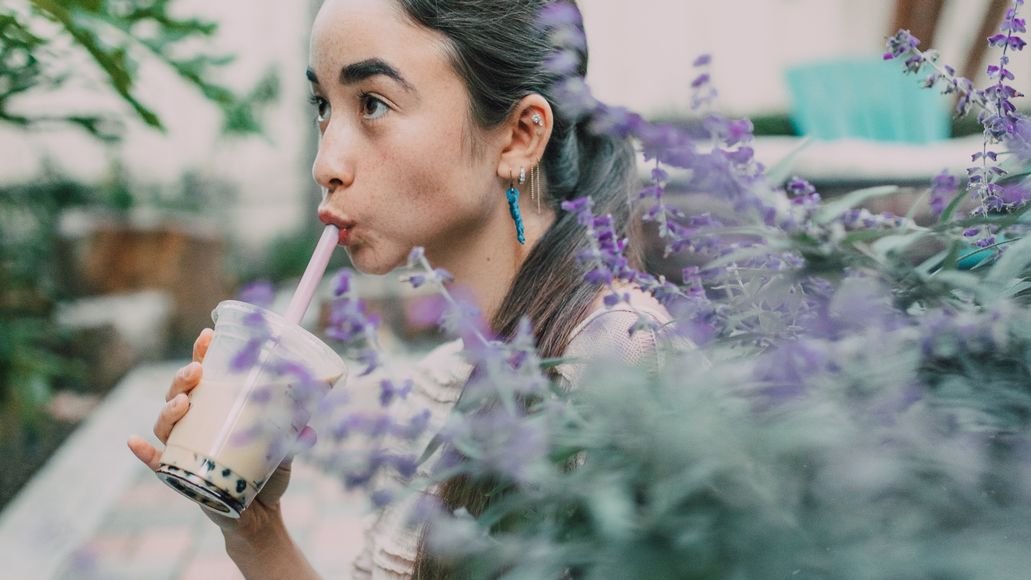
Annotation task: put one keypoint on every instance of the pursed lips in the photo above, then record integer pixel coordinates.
(344, 225)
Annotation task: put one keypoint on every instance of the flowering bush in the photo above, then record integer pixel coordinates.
(855, 404)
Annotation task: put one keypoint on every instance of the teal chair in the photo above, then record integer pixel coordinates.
(868, 99)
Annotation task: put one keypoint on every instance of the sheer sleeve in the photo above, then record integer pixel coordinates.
(606, 335)
(391, 541)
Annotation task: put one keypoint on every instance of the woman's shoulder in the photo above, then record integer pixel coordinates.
(627, 333)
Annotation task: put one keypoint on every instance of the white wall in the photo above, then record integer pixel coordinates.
(641, 55)
(641, 50)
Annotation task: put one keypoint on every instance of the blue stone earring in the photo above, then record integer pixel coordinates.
(513, 205)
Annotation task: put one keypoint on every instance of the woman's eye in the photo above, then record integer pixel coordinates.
(373, 108)
(322, 110)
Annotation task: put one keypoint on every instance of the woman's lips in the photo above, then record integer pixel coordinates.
(345, 236)
(344, 225)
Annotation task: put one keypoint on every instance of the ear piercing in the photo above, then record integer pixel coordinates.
(537, 120)
(535, 184)
(513, 208)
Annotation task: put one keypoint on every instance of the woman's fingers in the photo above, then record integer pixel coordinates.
(170, 415)
(144, 451)
(185, 380)
(200, 346)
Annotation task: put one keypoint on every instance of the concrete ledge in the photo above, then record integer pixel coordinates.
(66, 500)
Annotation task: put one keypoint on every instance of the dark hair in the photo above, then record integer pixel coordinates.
(500, 49)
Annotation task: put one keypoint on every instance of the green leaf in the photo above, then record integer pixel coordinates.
(1013, 178)
(780, 172)
(897, 243)
(1013, 263)
(835, 208)
(951, 208)
(431, 448)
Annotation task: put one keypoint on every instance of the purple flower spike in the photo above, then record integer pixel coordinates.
(563, 63)
(416, 280)
(259, 293)
(415, 257)
(382, 498)
(559, 14)
(342, 283)
(248, 355)
(388, 391)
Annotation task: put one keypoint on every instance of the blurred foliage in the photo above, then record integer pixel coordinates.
(40, 38)
(29, 339)
(42, 46)
(884, 433)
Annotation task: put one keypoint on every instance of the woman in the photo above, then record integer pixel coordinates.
(429, 111)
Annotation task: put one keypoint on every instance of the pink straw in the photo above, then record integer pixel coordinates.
(312, 275)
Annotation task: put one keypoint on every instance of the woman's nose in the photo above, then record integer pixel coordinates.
(333, 167)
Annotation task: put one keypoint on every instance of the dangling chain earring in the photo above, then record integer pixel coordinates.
(535, 171)
(513, 204)
(535, 183)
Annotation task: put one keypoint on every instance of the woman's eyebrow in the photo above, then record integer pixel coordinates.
(364, 69)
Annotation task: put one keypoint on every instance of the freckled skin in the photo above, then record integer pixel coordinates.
(406, 178)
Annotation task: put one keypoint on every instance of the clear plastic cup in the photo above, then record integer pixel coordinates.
(263, 377)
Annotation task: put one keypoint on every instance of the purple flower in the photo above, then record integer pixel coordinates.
(943, 186)
(415, 257)
(574, 98)
(563, 63)
(370, 359)
(388, 390)
(598, 276)
(796, 186)
(416, 280)
(616, 121)
(559, 14)
(405, 465)
(1018, 140)
(577, 206)
(247, 357)
(1015, 195)
(260, 293)
(382, 498)
(901, 44)
(342, 283)
(414, 427)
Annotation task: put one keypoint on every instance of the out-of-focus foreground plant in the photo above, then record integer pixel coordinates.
(856, 403)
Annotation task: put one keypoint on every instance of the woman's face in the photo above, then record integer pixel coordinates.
(394, 160)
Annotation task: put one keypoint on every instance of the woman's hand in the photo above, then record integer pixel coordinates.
(264, 510)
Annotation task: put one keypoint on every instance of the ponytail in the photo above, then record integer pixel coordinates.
(500, 50)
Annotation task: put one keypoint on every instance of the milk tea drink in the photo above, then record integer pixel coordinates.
(262, 379)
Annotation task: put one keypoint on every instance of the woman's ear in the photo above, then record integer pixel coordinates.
(526, 133)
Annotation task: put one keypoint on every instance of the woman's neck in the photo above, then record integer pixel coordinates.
(485, 266)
